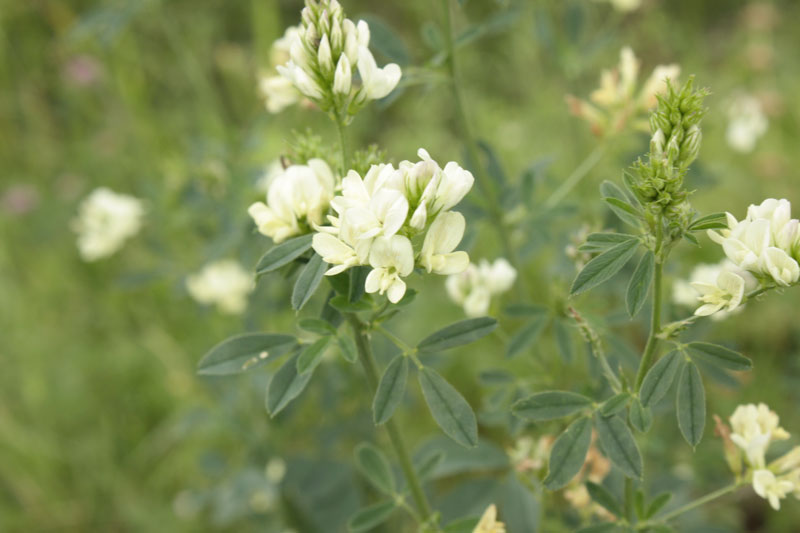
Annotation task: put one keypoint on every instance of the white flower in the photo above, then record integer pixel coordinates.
(391, 258)
(377, 82)
(474, 287)
(624, 6)
(783, 269)
(720, 294)
(657, 84)
(275, 470)
(105, 221)
(296, 199)
(273, 170)
(342, 79)
(726, 293)
(489, 523)
(334, 252)
(772, 488)
(753, 428)
(278, 93)
(442, 238)
(223, 283)
(746, 123)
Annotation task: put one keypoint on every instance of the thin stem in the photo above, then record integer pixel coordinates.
(340, 128)
(699, 502)
(655, 318)
(370, 369)
(580, 172)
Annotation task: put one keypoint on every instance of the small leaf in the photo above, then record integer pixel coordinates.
(285, 386)
(691, 238)
(691, 404)
(342, 303)
(604, 266)
(457, 334)
(374, 466)
(624, 211)
(720, 356)
(347, 349)
(569, 453)
(550, 405)
(639, 285)
(712, 221)
(658, 503)
(603, 497)
(283, 254)
(526, 336)
(311, 356)
(615, 404)
(391, 390)
(619, 445)
(371, 517)
(316, 325)
(600, 242)
(659, 378)
(244, 352)
(308, 281)
(450, 410)
(525, 310)
(641, 417)
(428, 465)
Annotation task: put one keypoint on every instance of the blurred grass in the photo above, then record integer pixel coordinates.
(103, 424)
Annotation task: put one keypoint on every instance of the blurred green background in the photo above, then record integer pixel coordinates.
(104, 425)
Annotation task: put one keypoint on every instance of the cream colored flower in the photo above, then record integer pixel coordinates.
(771, 487)
(474, 287)
(746, 123)
(442, 238)
(105, 221)
(754, 427)
(391, 259)
(222, 283)
(489, 523)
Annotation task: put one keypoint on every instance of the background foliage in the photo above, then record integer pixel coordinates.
(104, 424)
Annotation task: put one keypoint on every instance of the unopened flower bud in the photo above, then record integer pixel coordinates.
(657, 143)
(343, 77)
(324, 56)
(691, 145)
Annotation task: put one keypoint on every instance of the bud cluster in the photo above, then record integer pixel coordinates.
(325, 54)
(675, 144)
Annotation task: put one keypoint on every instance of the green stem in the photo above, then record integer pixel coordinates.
(629, 500)
(698, 502)
(655, 318)
(340, 128)
(580, 172)
(370, 369)
(484, 180)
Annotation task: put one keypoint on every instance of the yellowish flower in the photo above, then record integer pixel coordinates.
(489, 522)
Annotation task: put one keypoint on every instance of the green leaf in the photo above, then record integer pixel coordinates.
(457, 334)
(450, 410)
(659, 378)
(526, 336)
(371, 517)
(712, 221)
(615, 404)
(283, 254)
(600, 242)
(308, 281)
(658, 503)
(691, 404)
(639, 285)
(374, 466)
(550, 405)
(391, 390)
(619, 445)
(342, 303)
(604, 266)
(691, 238)
(311, 356)
(244, 352)
(525, 310)
(720, 356)
(624, 211)
(285, 386)
(316, 325)
(356, 288)
(347, 349)
(569, 453)
(427, 466)
(641, 417)
(562, 333)
(605, 527)
(603, 497)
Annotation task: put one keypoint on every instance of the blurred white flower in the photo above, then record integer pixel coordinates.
(746, 123)
(277, 91)
(297, 200)
(474, 287)
(771, 487)
(754, 427)
(222, 283)
(276, 470)
(624, 6)
(105, 221)
(273, 169)
(489, 523)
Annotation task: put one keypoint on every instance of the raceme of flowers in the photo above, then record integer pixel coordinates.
(753, 429)
(616, 103)
(325, 54)
(765, 244)
(720, 287)
(222, 283)
(394, 219)
(474, 287)
(297, 200)
(279, 92)
(746, 123)
(105, 221)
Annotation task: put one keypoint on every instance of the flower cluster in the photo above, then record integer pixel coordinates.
(324, 55)
(297, 200)
(105, 221)
(766, 244)
(720, 287)
(222, 283)
(753, 429)
(473, 289)
(277, 91)
(746, 123)
(381, 218)
(616, 103)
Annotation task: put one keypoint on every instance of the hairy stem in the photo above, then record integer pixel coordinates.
(580, 172)
(655, 318)
(370, 369)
